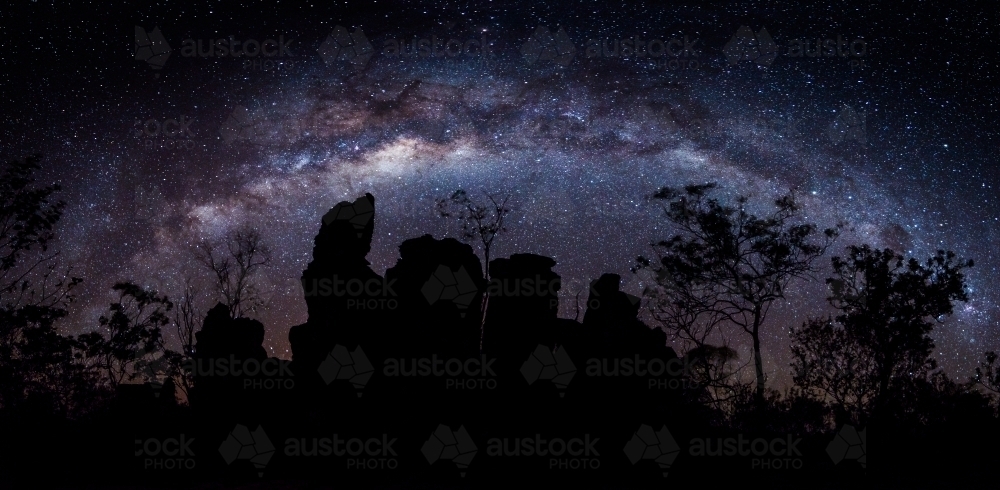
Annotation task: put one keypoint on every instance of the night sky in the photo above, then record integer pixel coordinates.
(896, 133)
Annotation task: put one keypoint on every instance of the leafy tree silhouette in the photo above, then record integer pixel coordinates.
(482, 222)
(134, 324)
(36, 362)
(880, 338)
(827, 365)
(726, 267)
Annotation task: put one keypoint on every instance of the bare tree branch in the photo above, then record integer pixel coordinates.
(234, 261)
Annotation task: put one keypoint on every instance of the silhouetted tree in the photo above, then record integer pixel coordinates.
(988, 377)
(829, 365)
(234, 261)
(712, 369)
(134, 335)
(186, 318)
(35, 360)
(987, 374)
(482, 223)
(880, 338)
(726, 267)
(27, 216)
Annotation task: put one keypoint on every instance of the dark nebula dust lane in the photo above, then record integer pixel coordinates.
(886, 126)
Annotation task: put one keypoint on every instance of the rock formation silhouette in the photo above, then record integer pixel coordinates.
(340, 289)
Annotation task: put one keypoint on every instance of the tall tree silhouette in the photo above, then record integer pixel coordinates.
(726, 267)
(234, 261)
(880, 338)
(186, 320)
(480, 222)
(35, 360)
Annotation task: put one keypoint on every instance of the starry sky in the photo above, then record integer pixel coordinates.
(897, 134)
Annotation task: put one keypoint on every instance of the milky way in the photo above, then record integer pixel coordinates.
(888, 139)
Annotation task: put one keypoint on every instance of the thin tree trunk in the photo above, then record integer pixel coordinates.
(482, 323)
(758, 362)
(486, 299)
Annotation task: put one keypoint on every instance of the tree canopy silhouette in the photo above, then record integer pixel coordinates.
(725, 266)
(234, 261)
(134, 327)
(36, 361)
(880, 337)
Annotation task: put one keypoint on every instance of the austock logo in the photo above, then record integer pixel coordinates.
(759, 47)
(447, 285)
(358, 214)
(557, 366)
(583, 450)
(344, 46)
(658, 446)
(435, 47)
(848, 125)
(460, 374)
(235, 48)
(149, 364)
(239, 126)
(373, 453)
(245, 445)
(353, 367)
(455, 446)
(170, 134)
(640, 48)
(841, 47)
(769, 454)
(678, 53)
(276, 373)
(469, 374)
(678, 370)
(537, 287)
(849, 445)
(371, 294)
(151, 48)
(747, 46)
(277, 53)
(173, 453)
(552, 365)
(543, 45)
